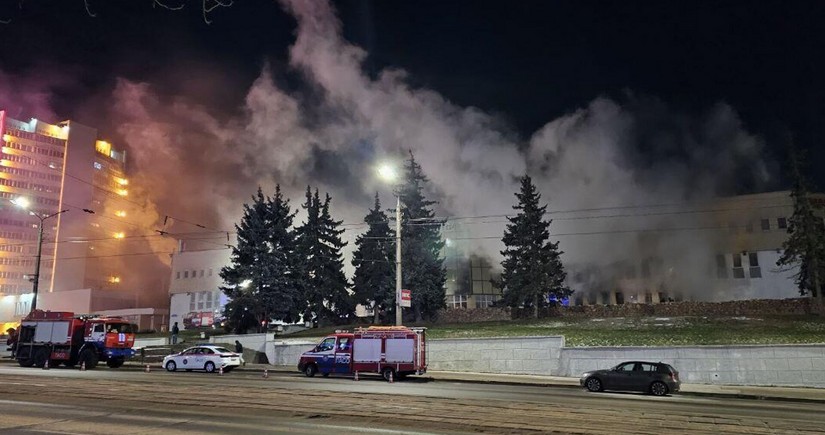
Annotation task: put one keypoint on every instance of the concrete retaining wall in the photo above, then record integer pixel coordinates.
(157, 341)
(785, 365)
(515, 355)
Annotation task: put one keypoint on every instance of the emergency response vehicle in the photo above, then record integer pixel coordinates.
(61, 337)
(389, 350)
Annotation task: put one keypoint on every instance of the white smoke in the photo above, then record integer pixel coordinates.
(332, 134)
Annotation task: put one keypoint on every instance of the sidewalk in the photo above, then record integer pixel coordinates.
(797, 394)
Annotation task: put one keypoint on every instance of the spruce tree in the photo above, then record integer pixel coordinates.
(333, 280)
(374, 276)
(259, 279)
(532, 268)
(325, 294)
(421, 244)
(804, 248)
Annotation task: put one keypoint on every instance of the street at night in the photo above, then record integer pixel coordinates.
(132, 401)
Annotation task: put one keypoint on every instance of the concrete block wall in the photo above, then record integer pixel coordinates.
(287, 352)
(514, 355)
(785, 365)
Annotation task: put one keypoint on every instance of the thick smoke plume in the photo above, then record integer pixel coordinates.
(333, 132)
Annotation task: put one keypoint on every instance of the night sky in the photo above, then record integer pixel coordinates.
(526, 62)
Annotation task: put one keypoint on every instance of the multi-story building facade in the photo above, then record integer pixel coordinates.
(67, 172)
(195, 297)
(718, 250)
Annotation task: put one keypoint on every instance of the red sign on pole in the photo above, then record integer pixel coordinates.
(406, 298)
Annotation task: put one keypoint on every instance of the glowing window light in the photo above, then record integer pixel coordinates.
(120, 213)
(114, 279)
(122, 192)
(120, 235)
(122, 181)
(103, 147)
(7, 138)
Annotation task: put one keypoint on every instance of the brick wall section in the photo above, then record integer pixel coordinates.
(757, 307)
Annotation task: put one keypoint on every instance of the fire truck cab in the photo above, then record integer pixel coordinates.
(391, 351)
(56, 337)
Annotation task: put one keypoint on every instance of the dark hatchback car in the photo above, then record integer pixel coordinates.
(655, 378)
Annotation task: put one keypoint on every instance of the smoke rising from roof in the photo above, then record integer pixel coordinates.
(333, 132)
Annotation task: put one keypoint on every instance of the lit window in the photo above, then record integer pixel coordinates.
(120, 213)
(119, 235)
(98, 166)
(114, 279)
(122, 192)
(103, 147)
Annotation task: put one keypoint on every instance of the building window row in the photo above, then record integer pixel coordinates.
(754, 270)
(764, 224)
(35, 137)
(35, 150)
(10, 275)
(194, 274)
(13, 222)
(457, 301)
(17, 236)
(30, 174)
(7, 261)
(203, 301)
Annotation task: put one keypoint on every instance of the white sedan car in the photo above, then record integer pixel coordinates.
(203, 357)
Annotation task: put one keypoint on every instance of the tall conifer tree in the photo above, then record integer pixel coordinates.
(374, 277)
(421, 244)
(804, 248)
(260, 278)
(323, 282)
(532, 268)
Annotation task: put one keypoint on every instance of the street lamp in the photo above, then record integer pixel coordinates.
(388, 173)
(24, 204)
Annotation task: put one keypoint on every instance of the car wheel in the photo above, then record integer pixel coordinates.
(387, 372)
(593, 384)
(114, 363)
(209, 367)
(658, 389)
(310, 370)
(171, 366)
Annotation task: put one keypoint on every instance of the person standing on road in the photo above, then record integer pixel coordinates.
(238, 347)
(175, 331)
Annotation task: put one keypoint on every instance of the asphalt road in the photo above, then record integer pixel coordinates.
(106, 401)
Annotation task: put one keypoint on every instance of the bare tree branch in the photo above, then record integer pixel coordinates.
(165, 6)
(88, 11)
(211, 5)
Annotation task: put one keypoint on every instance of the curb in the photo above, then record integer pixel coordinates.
(447, 378)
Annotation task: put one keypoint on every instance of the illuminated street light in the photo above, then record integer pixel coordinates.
(388, 173)
(24, 203)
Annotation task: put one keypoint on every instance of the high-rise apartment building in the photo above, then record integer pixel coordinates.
(67, 172)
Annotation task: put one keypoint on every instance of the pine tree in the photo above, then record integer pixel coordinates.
(421, 244)
(324, 284)
(805, 246)
(259, 279)
(374, 277)
(532, 268)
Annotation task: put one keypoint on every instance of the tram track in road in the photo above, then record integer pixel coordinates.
(442, 406)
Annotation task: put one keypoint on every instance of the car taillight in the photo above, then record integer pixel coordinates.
(674, 376)
(228, 355)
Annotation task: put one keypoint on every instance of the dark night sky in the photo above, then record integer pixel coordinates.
(526, 61)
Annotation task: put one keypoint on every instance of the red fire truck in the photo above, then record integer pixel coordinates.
(388, 350)
(61, 337)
